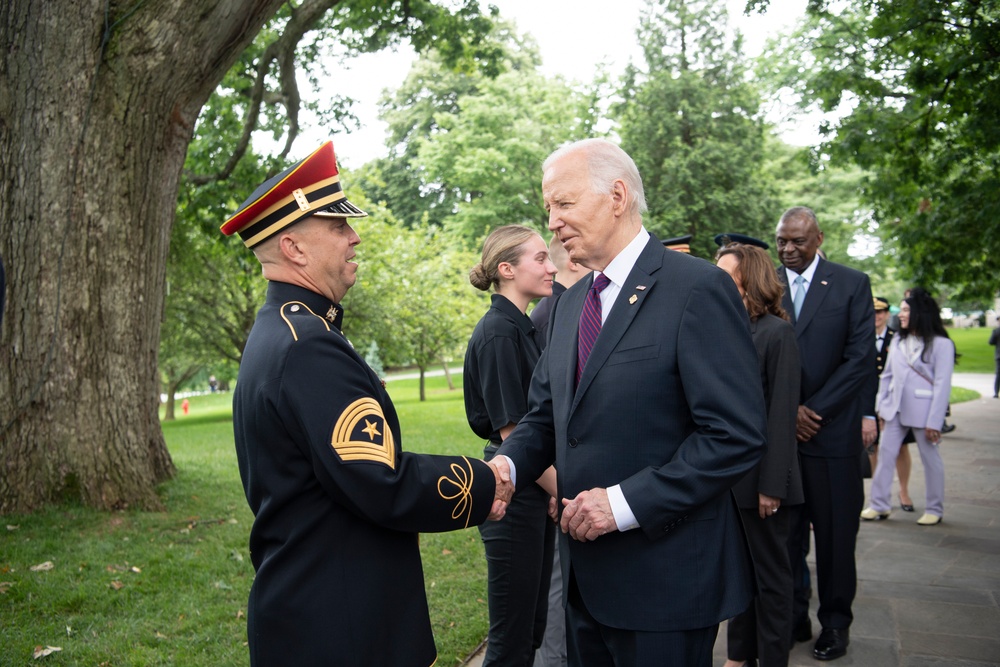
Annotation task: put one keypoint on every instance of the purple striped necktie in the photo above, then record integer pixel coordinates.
(590, 323)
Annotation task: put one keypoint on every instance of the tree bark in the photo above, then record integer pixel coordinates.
(447, 374)
(94, 127)
(174, 381)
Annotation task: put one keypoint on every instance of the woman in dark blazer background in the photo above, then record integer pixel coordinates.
(764, 630)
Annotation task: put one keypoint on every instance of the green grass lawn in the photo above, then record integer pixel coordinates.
(170, 588)
(977, 353)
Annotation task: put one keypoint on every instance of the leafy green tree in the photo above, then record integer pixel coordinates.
(466, 147)
(433, 88)
(101, 101)
(922, 80)
(373, 359)
(413, 298)
(692, 123)
(490, 151)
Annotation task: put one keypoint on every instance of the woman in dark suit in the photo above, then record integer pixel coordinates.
(764, 630)
(499, 361)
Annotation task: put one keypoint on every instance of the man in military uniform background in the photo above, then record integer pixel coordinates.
(337, 503)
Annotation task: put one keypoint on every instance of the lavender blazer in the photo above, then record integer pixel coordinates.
(917, 389)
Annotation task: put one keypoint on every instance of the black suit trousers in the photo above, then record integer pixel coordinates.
(834, 492)
(764, 631)
(519, 566)
(592, 644)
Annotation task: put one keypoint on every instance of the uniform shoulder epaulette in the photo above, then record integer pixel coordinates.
(300, 318)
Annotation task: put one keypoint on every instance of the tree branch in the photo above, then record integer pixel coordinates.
(303, 18)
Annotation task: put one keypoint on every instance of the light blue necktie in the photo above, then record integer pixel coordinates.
(800, 295)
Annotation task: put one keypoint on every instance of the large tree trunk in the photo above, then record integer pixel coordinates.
(92, 142)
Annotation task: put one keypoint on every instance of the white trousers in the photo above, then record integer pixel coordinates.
(890, 441)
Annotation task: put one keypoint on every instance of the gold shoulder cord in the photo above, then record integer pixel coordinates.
(294, 306)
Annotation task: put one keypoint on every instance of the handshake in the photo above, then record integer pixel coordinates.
(504, 489)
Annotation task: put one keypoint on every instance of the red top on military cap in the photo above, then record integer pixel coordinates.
(310, 187)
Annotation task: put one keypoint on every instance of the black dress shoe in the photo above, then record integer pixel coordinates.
(802, 631)
(832, 644)
(947, 428)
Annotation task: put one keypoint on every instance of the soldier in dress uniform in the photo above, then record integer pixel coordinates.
(338, 504)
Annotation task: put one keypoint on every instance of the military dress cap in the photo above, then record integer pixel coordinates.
(726, 239)
(679, 243)
(881, 303)
(309, 187)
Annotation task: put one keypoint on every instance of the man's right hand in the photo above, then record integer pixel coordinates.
(504, 487)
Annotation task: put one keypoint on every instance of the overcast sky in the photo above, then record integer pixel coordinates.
(574, 36)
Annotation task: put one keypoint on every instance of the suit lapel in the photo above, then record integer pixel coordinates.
(630, 299)
(818, 289)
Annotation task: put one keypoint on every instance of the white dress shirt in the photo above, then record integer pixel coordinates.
(617, 273)
(807, 274)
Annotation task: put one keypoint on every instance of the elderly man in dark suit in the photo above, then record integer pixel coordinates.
(647, 423)
(834, 327)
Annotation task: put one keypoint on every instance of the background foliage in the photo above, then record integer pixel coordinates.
(922, 81)
(470, 125)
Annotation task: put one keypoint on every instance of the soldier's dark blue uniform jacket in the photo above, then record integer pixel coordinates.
(338, 504)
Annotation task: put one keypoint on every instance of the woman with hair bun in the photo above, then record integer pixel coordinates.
(913, 394)
(499, 361)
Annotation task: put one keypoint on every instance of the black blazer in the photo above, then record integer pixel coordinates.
(872, 389)
(543, 309)
(662, 412)
(836, 333)
(777, 474)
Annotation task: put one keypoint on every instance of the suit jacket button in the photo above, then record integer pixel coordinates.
(573, 442)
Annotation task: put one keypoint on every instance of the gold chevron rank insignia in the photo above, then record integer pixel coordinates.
(361, 434)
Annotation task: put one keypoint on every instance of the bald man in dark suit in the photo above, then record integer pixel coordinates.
(834, 327)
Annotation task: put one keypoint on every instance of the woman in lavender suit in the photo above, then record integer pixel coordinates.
(913, 393)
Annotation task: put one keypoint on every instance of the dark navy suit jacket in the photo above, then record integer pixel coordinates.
(836, 333)
(670, 407)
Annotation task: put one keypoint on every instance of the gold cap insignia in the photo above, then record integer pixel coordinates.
(301, 199)
(361, 434)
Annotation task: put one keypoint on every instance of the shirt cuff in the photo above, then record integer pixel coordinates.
(620, 509)
(513, 469)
